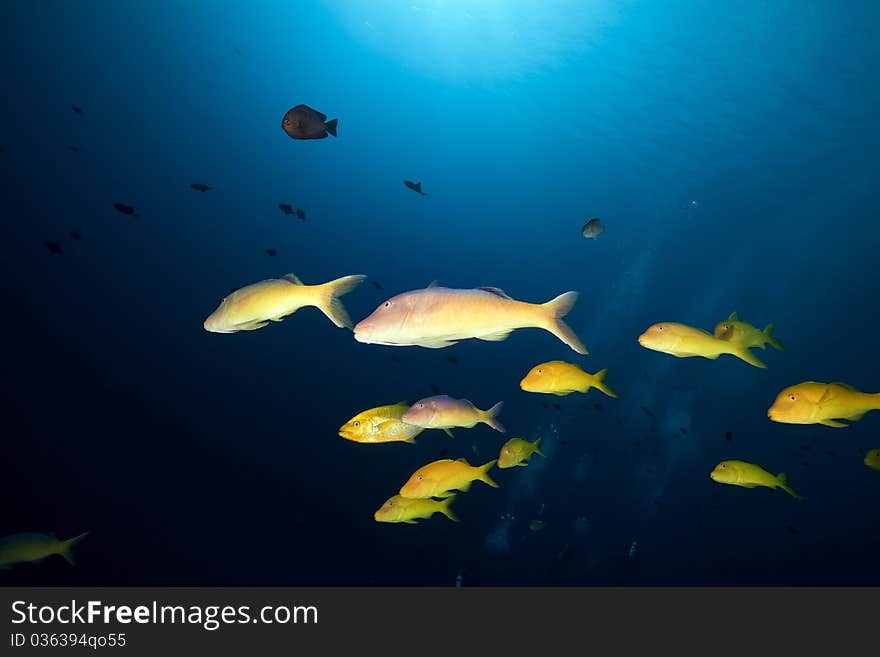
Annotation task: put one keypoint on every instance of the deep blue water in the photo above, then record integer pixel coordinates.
(731, 150)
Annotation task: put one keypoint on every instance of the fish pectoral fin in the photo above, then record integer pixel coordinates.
(498, 336)
(251, 326)
(464, 488)
(833, 423)
(435, 344)
(410, 522)
(856, 417)
(449, 433)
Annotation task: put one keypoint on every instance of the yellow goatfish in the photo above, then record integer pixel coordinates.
(556, 377)
(437, 317)
(439, 478)
(518, 451)
(811, 402)
(22, 548)
(408, 510)
(255, 305)
(745, 334)
(380, 425)
(872, 459)
(749, 475)
(683, 341)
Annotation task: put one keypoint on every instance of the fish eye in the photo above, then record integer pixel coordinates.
(540, 371)
(420, 477)
(387, 304)
(357, 423)
(724, 465)
(420, 405)
(792, 397)
(286, 121)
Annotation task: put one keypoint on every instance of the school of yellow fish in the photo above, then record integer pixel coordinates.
(436, 317)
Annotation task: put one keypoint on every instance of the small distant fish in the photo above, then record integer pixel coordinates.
(75, 235)
(452, 359)
(805, 463)
(598, 406)
(805, 448)
(378, 285)
(593, 228)
(54, 247)
(728, 435)
(683, 430)
(395, 359)
(619, 421)
(272, 252)
(872, 459)
(545, 404)
(565, 554)
(435, 388)
(77, 110)
(830, 453)
(416, 187)
(75, 149)
(443, 452)
(22, 548)
(286, 208)
(792, 530)
(300, 214)
(647, 411)
(557, 407)
(200, 187)
(537, 525)
(238, 52)
(126, 209)
(303, 122)
(676, 435)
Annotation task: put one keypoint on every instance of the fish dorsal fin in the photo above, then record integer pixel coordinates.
(432, 284)
(462, 460)
(292, 278)
(402, 403)
(496, 291)
(732, 317)
(321, 116)
(844, 385)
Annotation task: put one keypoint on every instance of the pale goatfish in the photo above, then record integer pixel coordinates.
(683, 341)
(812, 402)
(22, 548)
(438, 317)
(254, 306)
(444, 412)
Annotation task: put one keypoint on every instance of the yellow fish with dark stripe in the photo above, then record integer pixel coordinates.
(380, 425)
(749, 475)
(271, 300)
(403, 509)
(743, 333)
(812, 402)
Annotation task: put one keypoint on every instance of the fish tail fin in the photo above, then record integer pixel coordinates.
(768, 337)
(600, 383)
(555, 310)
(65, 548)
(484, 474)
(783, 484)
(330, 126)
(446, 511)
(329, 302)
(536, 448)
(490, 417)
(749, 357)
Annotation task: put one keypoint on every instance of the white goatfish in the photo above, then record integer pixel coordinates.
(437, 317)
(254, 306)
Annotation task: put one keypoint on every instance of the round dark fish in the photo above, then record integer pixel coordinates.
(593, 228)
(302, 122)
(286, 208)
(125, 209)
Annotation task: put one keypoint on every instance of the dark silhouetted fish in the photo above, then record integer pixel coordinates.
(452, 359)
(619, 421)
(598, 406)
(675, 435)
(396, 359)
(75, 149)
(830, 453)
(557, 407)
(728, 435)
(683, 430)
(238, 52)
(593, 228)
(545, 404)
(272, 252)
(77, 110)
(286, 208)
(792, 530)
(435, 388)
(126, 209)
(377, 285)
(302, 122)
(415, 186)
(805, 463)
(647, 411)
(200, 187)
(301, 214)
(54, 247)
(443, 452)
(75, 235)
